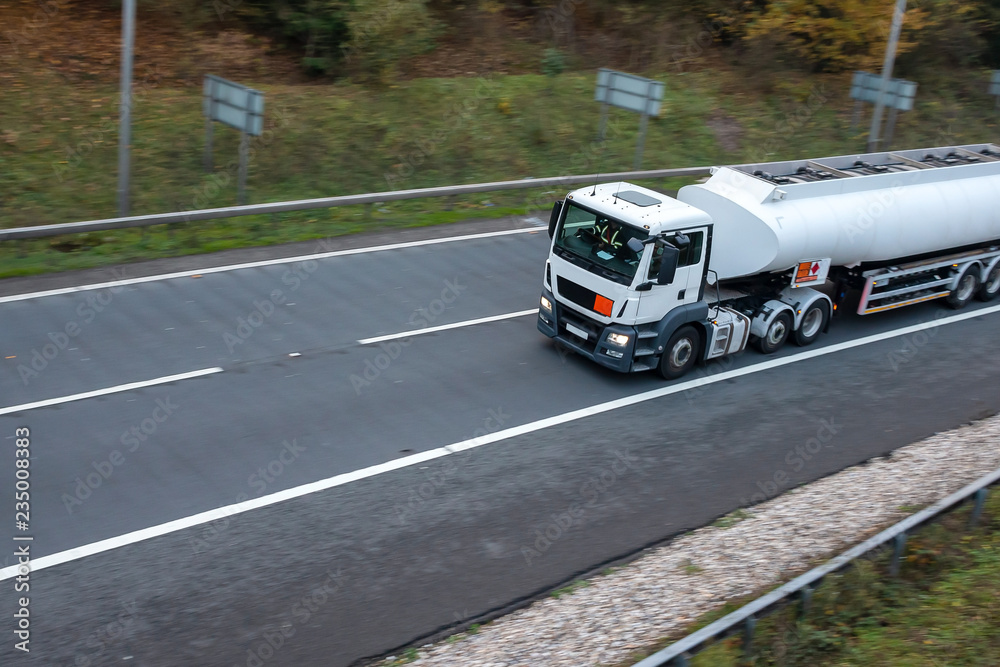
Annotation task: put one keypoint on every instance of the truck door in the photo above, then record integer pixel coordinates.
(686, 286)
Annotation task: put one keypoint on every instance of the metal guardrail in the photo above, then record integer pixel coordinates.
(745, 618)
(331, 202)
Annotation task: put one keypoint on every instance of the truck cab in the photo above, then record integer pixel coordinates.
(627, 267)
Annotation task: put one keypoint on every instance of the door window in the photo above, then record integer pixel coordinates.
(689, 256)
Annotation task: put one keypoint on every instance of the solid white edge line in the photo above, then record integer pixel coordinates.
(445, 327)
(345, 478)
(264, 262)
(108, 390)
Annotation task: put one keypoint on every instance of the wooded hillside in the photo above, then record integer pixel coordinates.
(380, 39)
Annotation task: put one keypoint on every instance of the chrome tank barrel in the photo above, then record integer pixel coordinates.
(763, 226)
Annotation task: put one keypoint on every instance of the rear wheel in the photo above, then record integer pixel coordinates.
(813, 322)
(965, 288)
(681, 353)
(991, 286)
(776, 334)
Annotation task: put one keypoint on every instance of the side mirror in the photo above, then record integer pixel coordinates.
(635, 245)
(668, 265)
(554, 217)
(681, 240)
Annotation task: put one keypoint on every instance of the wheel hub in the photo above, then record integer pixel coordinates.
(681, 353)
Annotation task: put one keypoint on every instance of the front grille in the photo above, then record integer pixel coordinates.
(578, 294)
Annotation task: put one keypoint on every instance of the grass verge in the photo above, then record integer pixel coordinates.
(58, 158)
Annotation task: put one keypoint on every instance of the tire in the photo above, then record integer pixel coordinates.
(681, 353)
(813, 323)
(776, 334)
(965, 288)
(991, 286)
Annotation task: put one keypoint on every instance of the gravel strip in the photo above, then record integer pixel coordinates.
(670, 586)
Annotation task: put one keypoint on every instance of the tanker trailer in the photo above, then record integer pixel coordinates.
(636, 280)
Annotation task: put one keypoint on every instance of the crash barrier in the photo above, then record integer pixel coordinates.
(332, 202)
(745, 619)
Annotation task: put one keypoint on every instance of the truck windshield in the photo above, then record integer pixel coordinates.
(598, 243)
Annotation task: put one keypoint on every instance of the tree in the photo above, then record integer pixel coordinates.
(835, 35)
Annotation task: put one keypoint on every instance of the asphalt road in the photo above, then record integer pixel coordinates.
(363, 568)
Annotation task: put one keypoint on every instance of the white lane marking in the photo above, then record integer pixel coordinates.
(109, 390)
(445, 327)
(266, 262)
(372, 471)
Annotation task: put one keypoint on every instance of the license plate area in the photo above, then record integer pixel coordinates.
(577, 331)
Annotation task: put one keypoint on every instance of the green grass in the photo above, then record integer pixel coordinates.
(570, 589)
(732, 519)
(58, 152)
(943, 610)
(690, 568)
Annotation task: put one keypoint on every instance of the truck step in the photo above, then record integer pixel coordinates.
(638, 366)
(647, 333)
(644, 351)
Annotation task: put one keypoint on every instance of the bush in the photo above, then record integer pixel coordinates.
(384, 32)
(317, 27)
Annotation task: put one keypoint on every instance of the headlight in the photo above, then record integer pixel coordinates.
(546, 304)
(618, 339)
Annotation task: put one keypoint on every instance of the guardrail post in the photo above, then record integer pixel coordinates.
(748, 627)
(977, 509)
(807, 594)
(897, 553)
(680, 661)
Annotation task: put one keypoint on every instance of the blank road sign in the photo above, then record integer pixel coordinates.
(628, 91)
(899, 94)
(234, 105)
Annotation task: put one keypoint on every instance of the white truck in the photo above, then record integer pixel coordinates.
(636, 280)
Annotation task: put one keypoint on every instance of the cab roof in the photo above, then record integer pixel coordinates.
(639, 206)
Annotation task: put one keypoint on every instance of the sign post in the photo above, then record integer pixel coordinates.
(890, 58)
(631, 92)
(125, 108)
(238, 107)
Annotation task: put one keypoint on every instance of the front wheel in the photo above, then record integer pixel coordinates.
(991, 286)
(813, 323)
(965, 289)
(681, 353)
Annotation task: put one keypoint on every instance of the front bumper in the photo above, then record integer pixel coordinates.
(596, 346)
